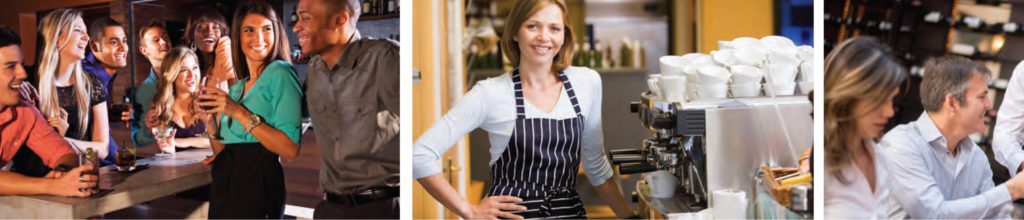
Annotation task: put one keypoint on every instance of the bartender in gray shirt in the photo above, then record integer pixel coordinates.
(352, 91)
(935, 170)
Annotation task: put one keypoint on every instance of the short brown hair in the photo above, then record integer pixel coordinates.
(149, 25)
(522, 11)
(948, 75)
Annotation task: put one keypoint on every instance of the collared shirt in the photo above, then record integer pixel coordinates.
(1008, 135)
(275, 96)
(23, 125)
(928, 182)
(491, 106)
(140, 105)
(354, 106)
(93, 66)
(854, 198)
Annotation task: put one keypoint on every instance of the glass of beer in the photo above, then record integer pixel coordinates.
(125, 158)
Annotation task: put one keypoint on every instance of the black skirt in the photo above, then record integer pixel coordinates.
(248, 183)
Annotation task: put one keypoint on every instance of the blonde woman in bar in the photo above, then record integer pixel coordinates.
(861, 80)
(543, 119)
(73, 101)
(175, 102)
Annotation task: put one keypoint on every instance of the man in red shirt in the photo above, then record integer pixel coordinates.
(21, 125)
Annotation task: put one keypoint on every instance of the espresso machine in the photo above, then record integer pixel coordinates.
(713, 144)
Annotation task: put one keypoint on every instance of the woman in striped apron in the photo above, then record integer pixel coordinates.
(543, 119)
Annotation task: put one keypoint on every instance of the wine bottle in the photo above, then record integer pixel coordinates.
(367, 7)
(965, 50)
(391, 6)
(935, 17)
(1010, 27)
(974, 23)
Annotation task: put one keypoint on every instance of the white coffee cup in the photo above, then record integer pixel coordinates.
(724, 57)
(696, 60)
(713, 74)
(673, 88)
(805, 87)
(652, 84)
(777, 89)
(661, 183)
(691, 90)
(725, 45)
(806, 53)
(749, 51)
(806, 71)
(706, 91)
(672, 65)
(746, 90)
(742, 74)
(781, 73)
(777, 42)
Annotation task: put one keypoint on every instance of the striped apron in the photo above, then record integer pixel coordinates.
(541, 161)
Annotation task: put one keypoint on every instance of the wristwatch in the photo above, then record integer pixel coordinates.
(254, 120)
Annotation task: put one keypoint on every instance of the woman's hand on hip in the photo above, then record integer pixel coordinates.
(493, 207)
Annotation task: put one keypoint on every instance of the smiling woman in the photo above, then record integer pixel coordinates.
(73, 101)
(544, 119)
(207, 34)
(259, 119)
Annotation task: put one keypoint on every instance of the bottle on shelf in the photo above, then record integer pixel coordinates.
(971, 22)
(367, 7)
(391, 6)
(1010, 27)
(935, 17)
(473, 57)
(970, 51)
(586, 59)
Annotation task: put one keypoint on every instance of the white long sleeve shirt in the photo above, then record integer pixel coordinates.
(1009, 131)
(490, 105)
(854, 198)
(928, 182)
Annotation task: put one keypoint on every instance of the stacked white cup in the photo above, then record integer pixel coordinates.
(714, 82)
(739, 68)
(746, 81)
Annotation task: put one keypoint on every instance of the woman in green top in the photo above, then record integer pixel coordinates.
(259, 119)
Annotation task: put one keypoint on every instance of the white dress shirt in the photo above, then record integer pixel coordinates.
(854, 198)
(1009, 131)
(490, 105)
(928, 182)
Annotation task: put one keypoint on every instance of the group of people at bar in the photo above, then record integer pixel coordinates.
(230, 87)
(930, 168)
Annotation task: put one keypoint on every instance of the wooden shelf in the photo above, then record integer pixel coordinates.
(378, 17)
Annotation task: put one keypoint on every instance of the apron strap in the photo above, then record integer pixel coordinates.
(521, 102)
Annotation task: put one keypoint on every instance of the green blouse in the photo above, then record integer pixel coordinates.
(276, 97)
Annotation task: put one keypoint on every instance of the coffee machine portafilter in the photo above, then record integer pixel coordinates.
(675, 144)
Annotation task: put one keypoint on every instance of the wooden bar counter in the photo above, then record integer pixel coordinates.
(119, 190)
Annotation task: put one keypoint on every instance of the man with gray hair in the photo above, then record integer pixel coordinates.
(935, 170)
